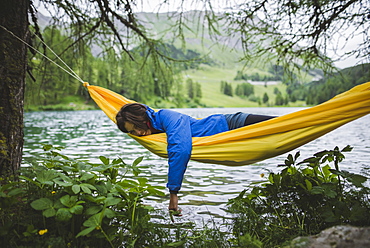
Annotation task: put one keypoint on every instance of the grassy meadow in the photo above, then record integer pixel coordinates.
(210, 79)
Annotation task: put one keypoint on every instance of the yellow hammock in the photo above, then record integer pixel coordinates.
(259, 141)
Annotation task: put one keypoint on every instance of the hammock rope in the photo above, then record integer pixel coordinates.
(70, 71)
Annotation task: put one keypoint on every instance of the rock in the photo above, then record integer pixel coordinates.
(335, 237)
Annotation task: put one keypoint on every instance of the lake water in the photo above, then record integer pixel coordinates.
(206, 187)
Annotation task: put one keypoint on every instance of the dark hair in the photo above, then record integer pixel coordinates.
(134, 113)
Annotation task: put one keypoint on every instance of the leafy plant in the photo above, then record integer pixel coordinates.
(304, 198)
(77, 199)
(60, 202)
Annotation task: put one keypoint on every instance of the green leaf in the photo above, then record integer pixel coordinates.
(62, 183)
(85, 232)
(308, 185)
(104, 160)
(312, 161)
(114, 174)
(46, 177)
(63, 214)
(93, 221)
(110, 201)
(42, 204)
(30, 180)
(76, 189)
(58, 204)
(86, 176)
(29, 232)
(109, 213)
(121, 191)
(15, 192)
(307, 171)
(50, 212)
(317, 190)
(102, 168)
(336, 172)
(47, 147)
(68, 201)
(154, 191)
(82, 166)
(326, 171)
(137, 161)
(118, 161)
(77, 209)
(329, 191)
(87, 188)
(93, 210)
(348, 148)
(271, 177)
(101, 188)
(290, 159)
(109, 185)
(297, 155)
(357, 180)
(99, 199)
(128, 184)
(142, 181)
(69, 169)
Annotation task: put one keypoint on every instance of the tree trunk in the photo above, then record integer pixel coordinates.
(13, 62)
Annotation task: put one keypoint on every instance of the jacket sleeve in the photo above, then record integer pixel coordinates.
(179, 146)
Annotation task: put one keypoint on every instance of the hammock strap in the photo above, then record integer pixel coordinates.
(70, 72)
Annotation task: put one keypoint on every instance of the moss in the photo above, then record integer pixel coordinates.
(4, 158)
(2, 141)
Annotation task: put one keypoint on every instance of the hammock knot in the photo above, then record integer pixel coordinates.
(86, 84)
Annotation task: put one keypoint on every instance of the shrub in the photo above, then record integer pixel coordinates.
(59, 202)
(303, 199)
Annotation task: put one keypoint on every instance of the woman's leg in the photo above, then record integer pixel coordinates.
(251, 119)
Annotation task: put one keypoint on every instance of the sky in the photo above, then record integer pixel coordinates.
(185, 5)
(219, 5)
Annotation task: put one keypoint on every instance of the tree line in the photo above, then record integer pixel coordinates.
(319, 91)
(276, 74)
(141, 79)
(312, 93)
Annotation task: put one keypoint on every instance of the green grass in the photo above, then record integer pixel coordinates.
(210, 78)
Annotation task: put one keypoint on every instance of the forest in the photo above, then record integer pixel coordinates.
(49, 85)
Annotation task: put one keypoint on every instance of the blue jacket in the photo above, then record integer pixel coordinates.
(180, 128)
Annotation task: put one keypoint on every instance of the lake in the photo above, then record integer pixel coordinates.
(207, 187)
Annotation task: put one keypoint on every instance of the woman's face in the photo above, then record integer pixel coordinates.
(132, 129)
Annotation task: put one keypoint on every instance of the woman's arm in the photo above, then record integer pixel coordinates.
(179, 139)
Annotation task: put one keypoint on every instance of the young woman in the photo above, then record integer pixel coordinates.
(140, 120)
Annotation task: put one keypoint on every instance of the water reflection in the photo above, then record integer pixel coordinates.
(207, 187)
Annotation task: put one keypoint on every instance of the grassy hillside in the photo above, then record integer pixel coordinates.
(210, 78)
